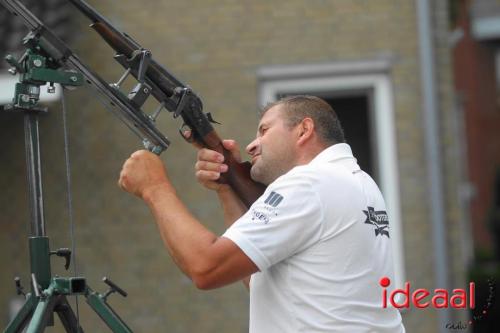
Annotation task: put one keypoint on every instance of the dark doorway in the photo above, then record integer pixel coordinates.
(353, 112)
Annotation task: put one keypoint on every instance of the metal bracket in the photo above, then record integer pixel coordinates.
(139, 94)
(36, 68)
(184, 94)
(145, 59)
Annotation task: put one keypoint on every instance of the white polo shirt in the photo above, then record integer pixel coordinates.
(320, 238)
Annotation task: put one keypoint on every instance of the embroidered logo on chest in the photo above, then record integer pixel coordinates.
(378, 219)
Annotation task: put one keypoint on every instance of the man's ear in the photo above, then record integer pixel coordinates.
(306, 130)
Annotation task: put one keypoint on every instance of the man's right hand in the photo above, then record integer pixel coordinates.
(208, 168)
(210, 165)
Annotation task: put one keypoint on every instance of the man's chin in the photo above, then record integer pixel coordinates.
(256, 175)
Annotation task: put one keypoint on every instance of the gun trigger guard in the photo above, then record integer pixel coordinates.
(183, 129)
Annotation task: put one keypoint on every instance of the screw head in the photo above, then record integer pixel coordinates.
(73, 78)
(37, 62)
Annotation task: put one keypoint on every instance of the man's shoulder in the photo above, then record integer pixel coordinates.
(332, 183)
(315, 174)
(299, 175)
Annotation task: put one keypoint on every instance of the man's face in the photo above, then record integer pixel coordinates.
(273, 150)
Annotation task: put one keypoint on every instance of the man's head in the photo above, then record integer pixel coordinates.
(291, 132)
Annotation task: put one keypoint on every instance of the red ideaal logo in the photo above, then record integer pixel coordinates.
(440, 299)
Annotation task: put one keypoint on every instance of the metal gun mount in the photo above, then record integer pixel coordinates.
(44, 43)
(37, 68)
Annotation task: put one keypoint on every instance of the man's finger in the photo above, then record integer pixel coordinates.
(204, 176)
(139, 153)
(120, 182)
(188, 136)
(210, 156)
(210, 166)
(234, 148)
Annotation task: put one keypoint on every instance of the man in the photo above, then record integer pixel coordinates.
(311, 243)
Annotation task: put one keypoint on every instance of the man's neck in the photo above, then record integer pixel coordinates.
(307, 154)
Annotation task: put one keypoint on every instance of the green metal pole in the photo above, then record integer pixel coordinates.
(22, 317)
(40, 260)
(98, 303)
(43, 312)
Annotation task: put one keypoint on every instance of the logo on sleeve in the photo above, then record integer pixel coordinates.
(379, 220)
(264, 213)
(260, 216)
(273, 199)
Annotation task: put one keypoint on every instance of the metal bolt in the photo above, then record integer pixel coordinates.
(37, 62)
(156, 150)
(73, 78)
(147, 144)
(146, 90)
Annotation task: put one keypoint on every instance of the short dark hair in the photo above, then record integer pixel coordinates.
(326, 121)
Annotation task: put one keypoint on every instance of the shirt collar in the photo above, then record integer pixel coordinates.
(334, 153)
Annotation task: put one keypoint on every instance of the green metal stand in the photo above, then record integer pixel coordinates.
(48, 294)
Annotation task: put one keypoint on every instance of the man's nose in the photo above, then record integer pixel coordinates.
(251, 149)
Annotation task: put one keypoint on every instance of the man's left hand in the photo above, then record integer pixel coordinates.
(142, 173)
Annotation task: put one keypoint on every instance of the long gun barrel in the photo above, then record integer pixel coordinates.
(176, 97)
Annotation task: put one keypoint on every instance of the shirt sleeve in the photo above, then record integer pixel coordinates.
(285, 220)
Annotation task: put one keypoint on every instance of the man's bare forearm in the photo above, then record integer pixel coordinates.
(209, 261)
(232, 206)
(184, 237)
(233, 209)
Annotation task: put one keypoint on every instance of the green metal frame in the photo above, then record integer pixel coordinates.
(48, 294)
